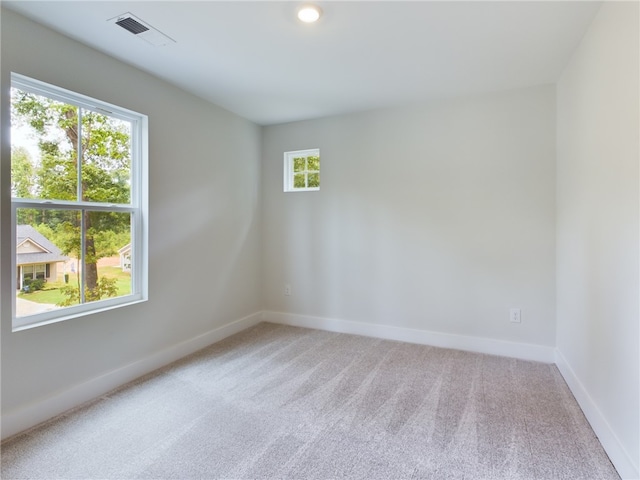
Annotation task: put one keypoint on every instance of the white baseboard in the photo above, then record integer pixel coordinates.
(524, 351)
(43, 409)
(610, 442)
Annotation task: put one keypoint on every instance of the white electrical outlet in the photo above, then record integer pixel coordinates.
(287, 289)
(515, 315)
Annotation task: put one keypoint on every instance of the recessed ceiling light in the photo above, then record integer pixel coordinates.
(309, 13)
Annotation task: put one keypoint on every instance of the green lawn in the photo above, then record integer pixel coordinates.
(51, 293)
(123, 278)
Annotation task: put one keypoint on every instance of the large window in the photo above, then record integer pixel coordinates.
(79, 196)
(302, 170)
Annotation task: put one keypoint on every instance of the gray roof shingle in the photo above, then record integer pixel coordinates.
(24, 232)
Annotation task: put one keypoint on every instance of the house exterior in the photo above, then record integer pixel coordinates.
(36, 256)
(125, 258)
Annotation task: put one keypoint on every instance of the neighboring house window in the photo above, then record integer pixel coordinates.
(79, 194)
(34, 271)
(302, 170)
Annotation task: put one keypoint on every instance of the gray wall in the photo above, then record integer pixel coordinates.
(598, 229)
(204, 227)
(439, 217)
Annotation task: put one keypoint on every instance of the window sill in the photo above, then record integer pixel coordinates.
(303, 190)
(54, 316)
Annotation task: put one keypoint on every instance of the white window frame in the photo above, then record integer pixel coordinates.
(288, 169)
(137, 208)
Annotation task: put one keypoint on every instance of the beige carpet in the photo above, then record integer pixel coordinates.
(284, 402)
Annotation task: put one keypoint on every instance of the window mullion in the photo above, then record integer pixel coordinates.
(70, 205)
(80, 198)
(83, 251)
(306, 172)
(79, 192)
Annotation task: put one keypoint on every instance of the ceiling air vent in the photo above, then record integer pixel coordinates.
(132, 25)
(141, 29)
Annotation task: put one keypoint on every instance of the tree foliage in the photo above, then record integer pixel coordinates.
(22, 173)
(106, 288)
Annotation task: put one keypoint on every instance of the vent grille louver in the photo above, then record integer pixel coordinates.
(141, 29)
(131, 25)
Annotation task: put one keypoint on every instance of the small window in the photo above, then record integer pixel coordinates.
(79, 194)
(302, 170)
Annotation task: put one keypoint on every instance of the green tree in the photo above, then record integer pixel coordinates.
(22, 173)
(72, 142)
(23, 178)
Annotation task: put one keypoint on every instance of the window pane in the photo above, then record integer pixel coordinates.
(39, 271)
(299, 164)
(107, 236)
(44, 140)
(106, 158)
(299, 180)
(314, 180)
(313, 163)
(53, 238)
(46, 242)
(44, 151)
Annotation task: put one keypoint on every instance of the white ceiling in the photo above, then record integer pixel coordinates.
(258, 60)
